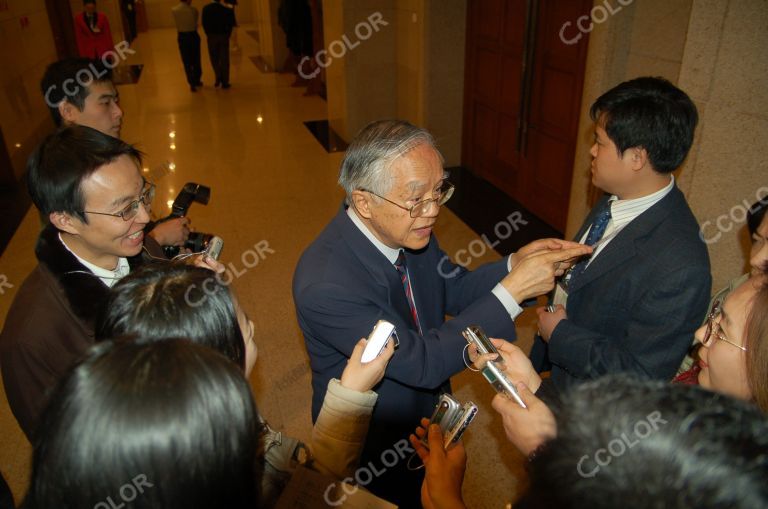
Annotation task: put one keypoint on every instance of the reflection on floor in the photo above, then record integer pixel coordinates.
(127, 74)
(324, 133)
(271, 181)
(261, 64)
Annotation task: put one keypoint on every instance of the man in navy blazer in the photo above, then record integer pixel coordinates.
(353, 275)
(635, 304)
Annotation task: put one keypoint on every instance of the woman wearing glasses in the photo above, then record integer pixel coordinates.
(733, 351)
(757, 226)
(733, 360)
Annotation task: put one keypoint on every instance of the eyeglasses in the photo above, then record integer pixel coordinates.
(130, 211)
(714, 330)
(420, 208)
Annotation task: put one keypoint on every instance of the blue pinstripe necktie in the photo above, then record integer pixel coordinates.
(602, 218)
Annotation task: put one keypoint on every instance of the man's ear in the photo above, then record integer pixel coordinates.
(361, 201)
(68, 112)
(638, 158)
(65, 222)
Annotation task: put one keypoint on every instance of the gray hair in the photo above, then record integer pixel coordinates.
(374, 149)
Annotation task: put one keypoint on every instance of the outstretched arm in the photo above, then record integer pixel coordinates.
(340, 430)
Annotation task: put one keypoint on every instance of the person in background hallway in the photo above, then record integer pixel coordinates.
(231, 4)
(129, 10)
(218, 22)
(94, 38)
(185, 17)
(295, 18)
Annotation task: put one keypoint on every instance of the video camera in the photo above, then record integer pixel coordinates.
(190, 193)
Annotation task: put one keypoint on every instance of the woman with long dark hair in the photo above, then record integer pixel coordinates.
(147, 424)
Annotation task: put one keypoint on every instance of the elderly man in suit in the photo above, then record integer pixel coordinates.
(634, 305)
(378, 259)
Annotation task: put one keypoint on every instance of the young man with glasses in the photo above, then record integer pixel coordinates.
(80, 91)
(89, 187)
(378, 259)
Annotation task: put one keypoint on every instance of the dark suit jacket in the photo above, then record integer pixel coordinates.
(217, 19)
(343, 285)
(637, 305)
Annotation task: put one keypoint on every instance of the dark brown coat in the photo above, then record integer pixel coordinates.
(51, 324)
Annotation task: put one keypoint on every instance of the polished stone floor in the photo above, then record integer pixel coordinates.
(272, 182)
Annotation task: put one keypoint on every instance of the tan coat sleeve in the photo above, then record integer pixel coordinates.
(340, 430)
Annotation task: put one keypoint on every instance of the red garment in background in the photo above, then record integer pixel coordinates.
(690, 377)
(93, 43)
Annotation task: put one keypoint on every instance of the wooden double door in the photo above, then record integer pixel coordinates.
(523, 86)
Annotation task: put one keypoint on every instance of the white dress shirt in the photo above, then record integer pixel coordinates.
(108, 277)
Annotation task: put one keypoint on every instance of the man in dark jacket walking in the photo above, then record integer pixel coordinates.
(218, 22)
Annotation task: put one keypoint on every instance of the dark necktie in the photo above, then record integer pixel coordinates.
(403, 271)
(602, 218)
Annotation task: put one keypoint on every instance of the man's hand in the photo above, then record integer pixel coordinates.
(441, 488)
(173, 232)
(364, 377)
(517, 365)
(548, 321)
(535, 274)
(526, 428)
(206, 262)
(540, 245)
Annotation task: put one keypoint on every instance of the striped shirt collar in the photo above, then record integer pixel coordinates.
(624, 211)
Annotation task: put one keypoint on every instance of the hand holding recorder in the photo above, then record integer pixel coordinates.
(493, 369)
(444, 468)
(527, 428)
(453, 418)
(516, 364)
(368, 362)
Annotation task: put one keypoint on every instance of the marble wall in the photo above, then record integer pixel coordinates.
(715, 51)
(724, 68)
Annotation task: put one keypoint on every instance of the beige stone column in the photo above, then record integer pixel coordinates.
(724, 69)
(411, 66)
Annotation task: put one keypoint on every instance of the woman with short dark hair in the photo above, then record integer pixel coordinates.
(175, 300)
